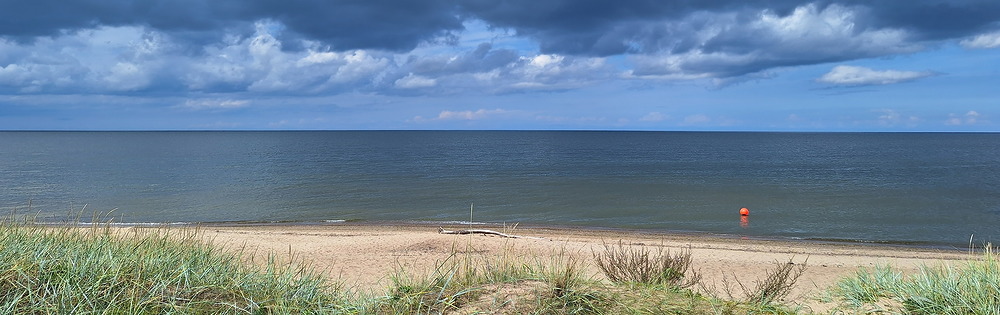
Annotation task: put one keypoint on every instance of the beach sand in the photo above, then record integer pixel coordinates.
(363, 256)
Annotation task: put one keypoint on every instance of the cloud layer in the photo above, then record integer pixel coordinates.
(851, 75)
(403, 48)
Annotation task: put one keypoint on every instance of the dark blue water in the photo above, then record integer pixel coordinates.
(921, 188)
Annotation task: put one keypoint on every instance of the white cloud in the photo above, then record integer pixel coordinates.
(412, 81)
(127, 76)
(970, 118)
(501, 71)
(213, 104)
(553, 72)
(654, 117)
(542, 61)
(722, 45)
(128, 59)
(568, 120)
(298, 123)
(318, 57)
(852, 75)
(104, 59)
(480, 114)
(889, 117)
(988, 40)
(258, 63)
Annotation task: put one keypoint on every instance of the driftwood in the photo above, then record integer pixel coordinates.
(482, 231)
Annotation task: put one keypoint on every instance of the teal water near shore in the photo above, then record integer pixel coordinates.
(915, 188)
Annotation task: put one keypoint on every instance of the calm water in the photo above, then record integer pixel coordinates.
(922, 188)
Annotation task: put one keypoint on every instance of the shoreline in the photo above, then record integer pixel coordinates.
(902, 244)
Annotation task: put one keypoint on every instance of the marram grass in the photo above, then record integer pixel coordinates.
(507, 284)
(72, 270)
(103, 270)
(969, 287)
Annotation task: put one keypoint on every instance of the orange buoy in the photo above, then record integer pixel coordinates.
(744, 211)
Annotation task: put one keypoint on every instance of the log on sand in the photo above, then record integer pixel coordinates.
(485, 232)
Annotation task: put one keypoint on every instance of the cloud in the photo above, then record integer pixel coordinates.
(988, 40)
(499, 71)
(572, 121)
(345, 26)
(729, 44)
(412, 81)
(480, 114)
(890, 117)
(654, 117)
(387, 47)
(213, 104)
(613, 27)
(854, 76)
(970, 118)
(483, 58)
(108, 60)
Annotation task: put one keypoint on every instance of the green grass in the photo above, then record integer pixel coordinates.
(512, 284)
(971, 287)
(100, 270)
(74, 270)
(466, 283)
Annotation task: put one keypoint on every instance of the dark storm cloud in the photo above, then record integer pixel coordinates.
(576, 27)
(369, 24)
(596, 27)
(608, 27)
(934, 20)
(380, 24)
(24, 20)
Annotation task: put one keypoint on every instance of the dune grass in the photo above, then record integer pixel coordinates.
(647, 283)
(72, 270)
(101, 269)
(970, 287)
(509, 283)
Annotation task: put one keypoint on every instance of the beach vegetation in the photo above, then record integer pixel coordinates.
(506, 283)
(776, 284)
(98, 269)
(969, 287)
(522, 284)
(105, 269)
(626, 263)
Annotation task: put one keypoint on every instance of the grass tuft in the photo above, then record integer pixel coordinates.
(972, 287)
(505, 283)
(129, 271)
(625, 263)
(776, 284)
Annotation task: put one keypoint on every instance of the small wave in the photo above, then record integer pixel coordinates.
(334, 221)
(124, 224)
(146, 223)
(448, 222)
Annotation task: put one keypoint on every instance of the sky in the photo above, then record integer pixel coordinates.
(673, 65)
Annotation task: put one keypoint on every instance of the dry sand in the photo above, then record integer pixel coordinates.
(363, 256)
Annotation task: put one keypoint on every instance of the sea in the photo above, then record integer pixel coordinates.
(913, 189)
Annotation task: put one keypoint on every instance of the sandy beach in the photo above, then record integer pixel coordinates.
(363, 256)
